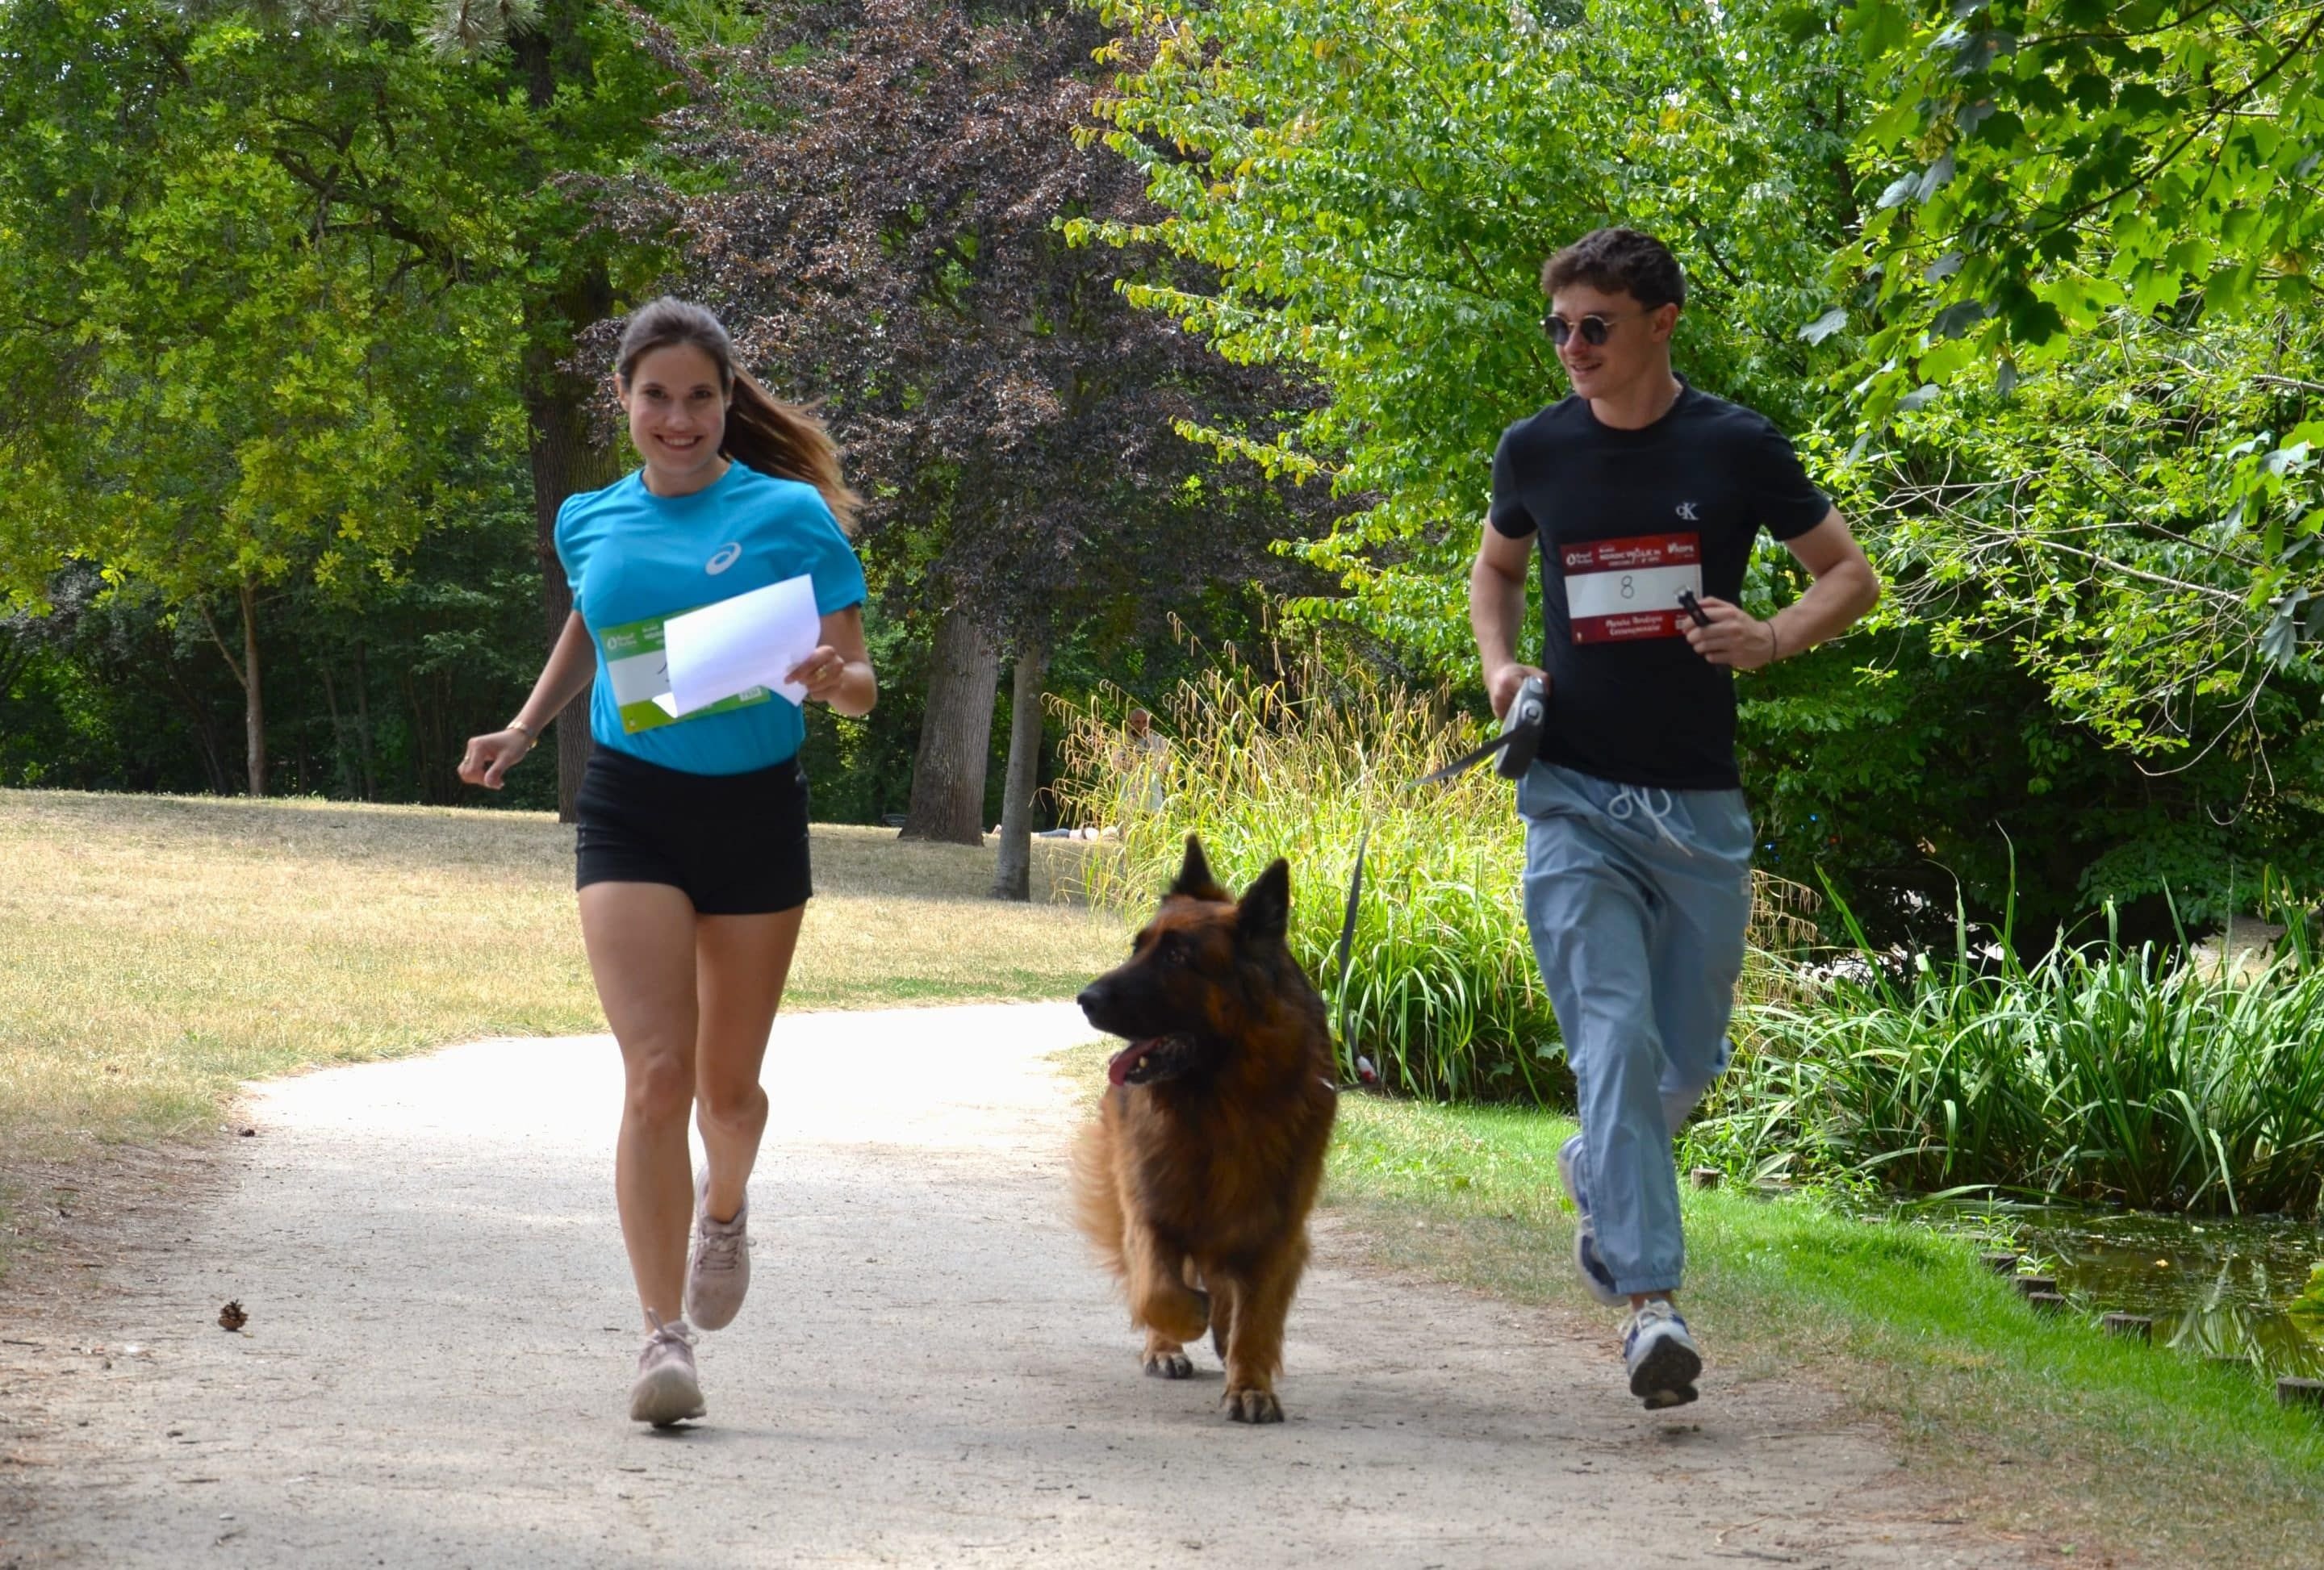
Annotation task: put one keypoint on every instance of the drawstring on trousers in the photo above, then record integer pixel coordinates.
(1637, 801)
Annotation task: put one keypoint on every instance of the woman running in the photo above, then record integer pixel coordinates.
(693, 838)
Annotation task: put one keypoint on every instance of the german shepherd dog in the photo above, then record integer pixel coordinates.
(1196, 1181)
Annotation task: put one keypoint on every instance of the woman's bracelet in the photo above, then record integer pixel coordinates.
(1774, 642)
(531, 737)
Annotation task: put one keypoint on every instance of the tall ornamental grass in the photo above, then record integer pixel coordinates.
(2101, 1073)
(1443, 994)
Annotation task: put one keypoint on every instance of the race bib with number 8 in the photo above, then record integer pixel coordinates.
(1618, 589)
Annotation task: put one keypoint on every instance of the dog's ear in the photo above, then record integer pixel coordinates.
(1195, 880)
(1266, 908)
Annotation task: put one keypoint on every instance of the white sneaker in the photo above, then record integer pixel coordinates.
(718, 1271)
(666, 1389)
(1662, 1357)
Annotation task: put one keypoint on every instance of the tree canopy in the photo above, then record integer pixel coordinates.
(276, 274)
(1151, 308)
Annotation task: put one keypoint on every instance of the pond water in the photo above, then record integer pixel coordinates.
(2214, 1288)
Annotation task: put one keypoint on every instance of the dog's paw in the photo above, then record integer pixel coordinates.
(1252, 1406)
(1173, 1364)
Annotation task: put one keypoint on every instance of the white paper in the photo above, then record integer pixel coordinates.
(752, 640)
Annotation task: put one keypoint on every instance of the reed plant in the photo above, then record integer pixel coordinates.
(1308, 764)
(1313, 762)
(2100, 1072)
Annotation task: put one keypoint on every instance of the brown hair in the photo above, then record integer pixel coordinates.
(1619, 261)
(763, 431)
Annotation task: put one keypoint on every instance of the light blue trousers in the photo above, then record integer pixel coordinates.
(1638, 898)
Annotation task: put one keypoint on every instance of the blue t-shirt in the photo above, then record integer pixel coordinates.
(631, 554)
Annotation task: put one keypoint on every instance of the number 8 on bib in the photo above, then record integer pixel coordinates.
(1619, 590)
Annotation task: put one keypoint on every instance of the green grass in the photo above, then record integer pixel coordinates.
(2034, 1426)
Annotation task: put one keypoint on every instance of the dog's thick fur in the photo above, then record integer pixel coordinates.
(1196, 1181)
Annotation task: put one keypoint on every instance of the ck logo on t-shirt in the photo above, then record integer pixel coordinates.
(727, 555)
(1621, 589)
(1686, 512)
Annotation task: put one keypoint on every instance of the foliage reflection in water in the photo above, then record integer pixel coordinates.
(2213, 1288)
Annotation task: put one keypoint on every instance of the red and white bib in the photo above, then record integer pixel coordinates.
(1617, 590)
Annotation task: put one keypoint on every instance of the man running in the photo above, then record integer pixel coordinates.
(1645, 494)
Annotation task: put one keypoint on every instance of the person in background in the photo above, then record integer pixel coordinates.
(1144, 764)
(1141, 761)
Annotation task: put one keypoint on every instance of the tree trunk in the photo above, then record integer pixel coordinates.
(956, 736)
(253, 706)
(340, 774)
(1012, 876)
(362, 724)
(564, 461)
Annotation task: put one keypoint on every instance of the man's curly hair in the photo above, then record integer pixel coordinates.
(1619, 261)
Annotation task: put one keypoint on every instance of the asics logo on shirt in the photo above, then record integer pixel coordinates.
(1687, 513)
(728, 555)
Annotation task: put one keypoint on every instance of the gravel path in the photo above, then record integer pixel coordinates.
(928, 1373)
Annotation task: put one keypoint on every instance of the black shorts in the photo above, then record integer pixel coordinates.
(735, 844)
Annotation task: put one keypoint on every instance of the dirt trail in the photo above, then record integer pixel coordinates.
(928, 1372)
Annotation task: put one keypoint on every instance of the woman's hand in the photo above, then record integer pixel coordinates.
(1735, 637)
(488, 759)
(824, 673)
(839, 672)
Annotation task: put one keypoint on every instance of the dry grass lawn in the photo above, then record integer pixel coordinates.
(163, 950)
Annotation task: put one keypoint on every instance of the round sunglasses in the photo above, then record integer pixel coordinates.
(1593, 329)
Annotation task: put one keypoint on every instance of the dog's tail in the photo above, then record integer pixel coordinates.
(1097, 1200)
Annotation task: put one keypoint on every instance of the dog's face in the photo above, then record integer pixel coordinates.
(1192, 973)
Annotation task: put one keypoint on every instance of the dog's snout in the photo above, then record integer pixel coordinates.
(1092, 999)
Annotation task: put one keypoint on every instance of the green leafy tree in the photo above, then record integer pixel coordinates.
(1376, 186)
(293, 285)
(2090, 341)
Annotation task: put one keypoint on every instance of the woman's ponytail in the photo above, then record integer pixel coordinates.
(763, 431)
(776, 437)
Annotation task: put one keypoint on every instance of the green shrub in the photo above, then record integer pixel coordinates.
(1442, 992)
(2103, 1073)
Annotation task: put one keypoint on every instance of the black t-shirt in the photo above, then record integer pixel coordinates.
(1627, 519)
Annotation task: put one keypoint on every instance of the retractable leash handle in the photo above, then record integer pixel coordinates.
(1518, 744)
(1521, 729)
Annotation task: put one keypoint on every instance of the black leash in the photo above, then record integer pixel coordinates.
(1465, 762)
(1347, 938)
(1519, 741)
